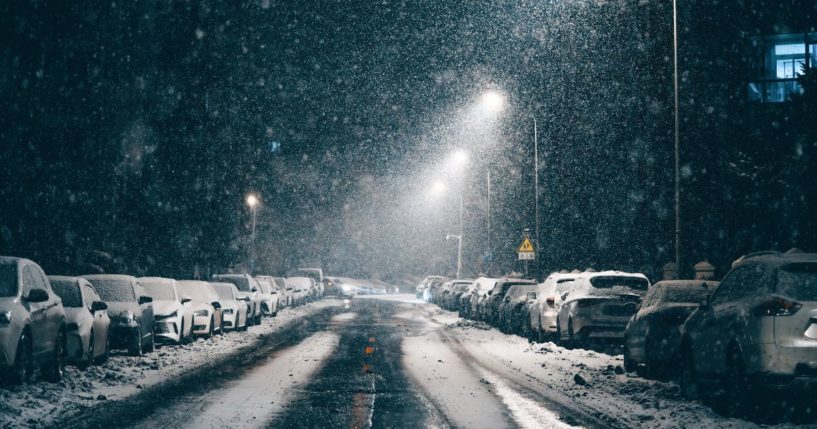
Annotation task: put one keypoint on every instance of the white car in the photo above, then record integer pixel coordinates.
(301, 287)
(247, 287)
(269, 295)
(479, 290)
(599, 305)
(284, 292)
(205, 304)
(543, 311)
(172, 312)
(87, 321)
(233, 307)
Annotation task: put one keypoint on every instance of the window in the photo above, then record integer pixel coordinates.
(784, 57)
(741, 283)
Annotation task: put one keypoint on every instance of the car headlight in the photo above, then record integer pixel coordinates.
(5, 318)
(129, 317)
(200, 313)
(228, 311)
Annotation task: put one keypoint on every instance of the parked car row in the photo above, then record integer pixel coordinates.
(46, 321)
(726, 342)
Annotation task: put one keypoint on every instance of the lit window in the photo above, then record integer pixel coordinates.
(785, 56)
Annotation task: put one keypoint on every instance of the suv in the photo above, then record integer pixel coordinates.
(599, 305)
(541, 323)
(130, 309)
(248, 287)
(269, 295)
(490, 309)
(756, 332)
(32, 322)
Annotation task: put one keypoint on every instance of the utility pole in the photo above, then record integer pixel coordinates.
(677, 139)
(536, 188)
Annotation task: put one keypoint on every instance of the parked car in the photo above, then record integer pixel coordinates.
(315, 274)
(509, 313)
(420, 289)
(247, 286)
(130, 309)
(478, 291)
(32, 323)
(172, 312)
(432, 289)
(86, 320)
(206, 306)
(490, 304)
(233, 307)
(756, 334)
(542, 312)
(451, 299)
(301, 286)
(285, 291)
(269, 295)
(599, 305)
(653, 335)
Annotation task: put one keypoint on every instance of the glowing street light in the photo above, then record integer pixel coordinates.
(492, 101)
(459, 158)
(252, 201)
(438, 187)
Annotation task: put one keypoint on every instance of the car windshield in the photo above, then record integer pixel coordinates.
(520, 290)
(240, 282)
(798, 281)
(690, 294)
(8, 279)
(160, 291)
(607, 282)
(196, 291)
(265, 286)
(68, 291)
(114, 290)
(224, 291)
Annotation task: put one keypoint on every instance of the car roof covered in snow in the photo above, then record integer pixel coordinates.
(775, 258)
(120, 277)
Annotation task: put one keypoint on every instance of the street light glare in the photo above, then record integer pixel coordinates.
(438, 187)
(493, 101)
(252, 200)
(459, 157)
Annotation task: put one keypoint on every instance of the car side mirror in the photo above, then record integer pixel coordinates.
(144, 299)
(37, 295)
(216, 305)
(98, 306)
(254, 289)
(185, 299)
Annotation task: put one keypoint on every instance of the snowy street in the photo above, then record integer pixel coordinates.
(379, 361)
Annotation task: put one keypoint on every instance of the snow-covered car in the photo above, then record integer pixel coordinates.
(345, 287)
(285, 292)
(653, 336)
(599, 305)
(420, 289)
(268, 292)
(432, 289)
(130, 309)
(490, 304)
(451, 299)
(206, 306)
(247, 286)
(32, 322)
(756, 334)
(478, 291)
(233, 307)
(301, 286)
(172, 312)
(543, 311)
(509, 313)
(86, 320)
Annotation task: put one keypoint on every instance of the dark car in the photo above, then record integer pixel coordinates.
(490, 310)
(653, 335)
(510, 309)
(130, 309)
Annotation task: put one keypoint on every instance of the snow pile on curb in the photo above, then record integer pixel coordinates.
(42, 403)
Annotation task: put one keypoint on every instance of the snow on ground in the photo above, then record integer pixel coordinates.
(40, 403)
(513, 369)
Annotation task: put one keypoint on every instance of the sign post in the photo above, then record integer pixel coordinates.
(526, 251)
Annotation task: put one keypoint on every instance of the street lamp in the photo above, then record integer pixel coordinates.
(252, 202)
(492, 101)
(677, 137)
(438, 188)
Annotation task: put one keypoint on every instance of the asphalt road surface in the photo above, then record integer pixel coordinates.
(358, 366)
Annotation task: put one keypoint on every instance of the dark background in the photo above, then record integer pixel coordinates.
(130, 134)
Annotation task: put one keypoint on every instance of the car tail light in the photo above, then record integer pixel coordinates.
(777, 307)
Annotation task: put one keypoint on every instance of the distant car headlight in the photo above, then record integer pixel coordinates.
(5, 318)
(228, 311)
(200, 313)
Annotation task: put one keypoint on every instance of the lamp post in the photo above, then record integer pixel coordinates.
(677, 137)
(252, 202)
(439, 187)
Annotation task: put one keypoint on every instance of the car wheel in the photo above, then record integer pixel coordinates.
(89, 359)
(56, 370)
(687, 378)
(653, 368)
(23, 363)
(136, 347)
(735, 386)
(629, 364)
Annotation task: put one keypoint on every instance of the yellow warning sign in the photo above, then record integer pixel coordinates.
(526, 247)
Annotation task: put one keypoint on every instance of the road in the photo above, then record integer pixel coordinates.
(366, 364)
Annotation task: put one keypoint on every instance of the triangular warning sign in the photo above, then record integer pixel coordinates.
(526, 247)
